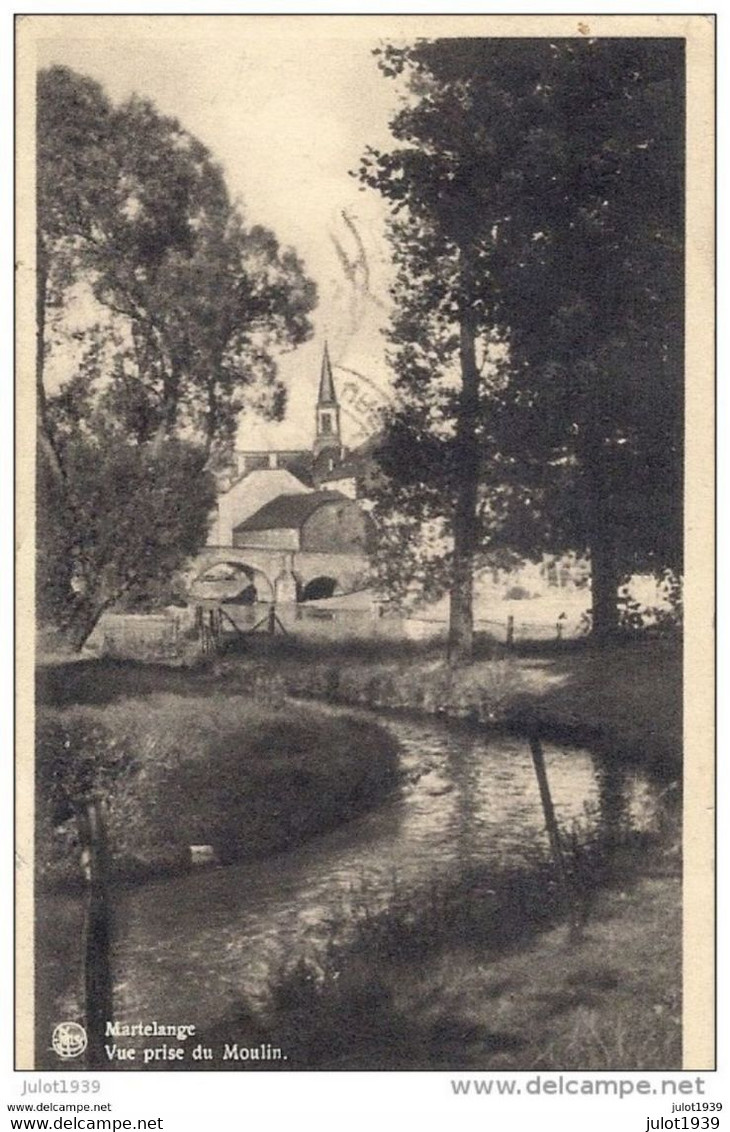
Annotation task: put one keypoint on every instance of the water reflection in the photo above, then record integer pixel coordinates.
(614, 801)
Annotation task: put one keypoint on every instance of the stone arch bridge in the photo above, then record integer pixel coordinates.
(272, 572)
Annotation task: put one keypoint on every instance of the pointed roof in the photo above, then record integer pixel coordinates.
(327, 395)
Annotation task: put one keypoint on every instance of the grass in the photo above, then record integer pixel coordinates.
(609, 1001)
(480, 973)
(626, 697)
(245, 777)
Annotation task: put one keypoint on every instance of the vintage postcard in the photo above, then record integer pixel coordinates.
(365, 391)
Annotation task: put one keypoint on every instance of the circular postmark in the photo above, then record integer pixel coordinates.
(362, 400)
(69, 1040)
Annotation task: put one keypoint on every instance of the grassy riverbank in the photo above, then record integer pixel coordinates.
(160, 732)
(627, 697)
(483, 975)
(228, 771)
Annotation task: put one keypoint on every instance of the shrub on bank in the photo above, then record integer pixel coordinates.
(627, 697)
(371, 994)
(244, 777)
(479, 694)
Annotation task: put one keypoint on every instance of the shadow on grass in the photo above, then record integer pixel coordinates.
(363, 1000)
(95, 681)
(102, 681)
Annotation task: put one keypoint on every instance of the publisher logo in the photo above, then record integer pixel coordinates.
(69, 1040)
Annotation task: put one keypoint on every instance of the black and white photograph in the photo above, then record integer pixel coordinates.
(364, 390)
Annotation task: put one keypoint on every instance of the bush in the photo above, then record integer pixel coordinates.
(517, 593)
(225, 771)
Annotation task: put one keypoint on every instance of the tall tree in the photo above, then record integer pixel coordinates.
(196, 303)
(593, 270)
(185, 311)
(541, 188)
(450, 186)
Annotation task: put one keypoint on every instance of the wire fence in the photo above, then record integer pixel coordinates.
(155, 637)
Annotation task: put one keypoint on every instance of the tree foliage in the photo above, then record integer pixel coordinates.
(449, 183)
(593, 266)
(538, 222)
(197, 304)
(183, 311)
(121, 523)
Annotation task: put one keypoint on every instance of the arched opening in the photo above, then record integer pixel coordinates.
(232, 583)
(247, 596)
(319, 588)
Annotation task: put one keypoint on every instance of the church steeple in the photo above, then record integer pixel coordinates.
(327, 395)
(328, 414)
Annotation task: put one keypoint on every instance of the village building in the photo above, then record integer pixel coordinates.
(317, 521)
(259, 477)
(288, 528)
(288, 548)
(292, 531)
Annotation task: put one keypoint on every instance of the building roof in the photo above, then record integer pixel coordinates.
(279, 481)
(288, 512)
(360, 464)
(298, 463)
(327, 395)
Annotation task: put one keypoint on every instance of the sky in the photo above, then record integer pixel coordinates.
(287, 114)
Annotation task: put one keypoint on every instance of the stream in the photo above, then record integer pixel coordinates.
(188, 947)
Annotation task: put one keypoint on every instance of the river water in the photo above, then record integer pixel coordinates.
(188, 947)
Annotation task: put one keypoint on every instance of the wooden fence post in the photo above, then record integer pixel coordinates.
(510, 630)
(538, 760)
(97, 961)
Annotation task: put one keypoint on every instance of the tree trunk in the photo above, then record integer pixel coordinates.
(461, 615)
(85, 619)
(171, 383)
(82, 627)
(211, 416)
(596, 460)
(88, 610)
(604, 588)
(461, 610)
(46, 445)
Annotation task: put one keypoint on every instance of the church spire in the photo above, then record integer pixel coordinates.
(327, 396)
(327, 438)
